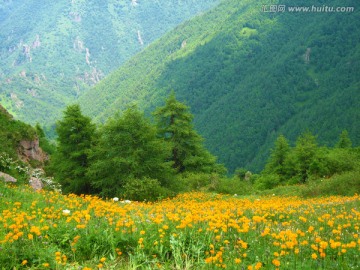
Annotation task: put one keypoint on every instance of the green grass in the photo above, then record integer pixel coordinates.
(47, 230)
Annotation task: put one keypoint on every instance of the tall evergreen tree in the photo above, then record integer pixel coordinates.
(305, 153)
(128, 149)
(174, 122)
(344, 140)
(70, 162)
(278, 158)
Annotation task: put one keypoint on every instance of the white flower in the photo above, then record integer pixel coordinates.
(126, 201)
(115, 199)
(235, 195)
(66, 212)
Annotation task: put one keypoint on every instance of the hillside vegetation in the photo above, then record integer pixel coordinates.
(12, 132)
(52, 52)
(249, 76)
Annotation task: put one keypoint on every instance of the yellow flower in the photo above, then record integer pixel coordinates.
(103, 259)
(276, 262)
(46, 264)
(314, 256)
(24, 262)
(237, 260)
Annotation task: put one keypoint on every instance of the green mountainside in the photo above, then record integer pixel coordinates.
(249, 75)
(11, 133)
(51, 52)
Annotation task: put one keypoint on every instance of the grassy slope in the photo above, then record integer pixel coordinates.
(243, 73)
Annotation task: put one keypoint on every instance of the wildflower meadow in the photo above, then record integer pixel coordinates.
(48, 230)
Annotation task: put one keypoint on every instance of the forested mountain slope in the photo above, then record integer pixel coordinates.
(51, 52)
(248, 75)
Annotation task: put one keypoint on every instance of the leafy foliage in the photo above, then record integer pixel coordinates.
(306, 162)
(12, 132)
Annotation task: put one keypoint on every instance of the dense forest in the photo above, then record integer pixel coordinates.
(248, 77)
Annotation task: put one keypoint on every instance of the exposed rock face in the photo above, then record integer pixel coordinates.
(307, 56)
(30, 150)
(35, 183)
(7, 178)
(18, 102)
(36, 42)
(140, 38)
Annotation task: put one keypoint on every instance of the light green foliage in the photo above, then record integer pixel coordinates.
(174, 122)
(128, 148)
(308, 162)
(70, 162)
(145, 189)
(344, 140)
(12, 132)
(52, 53)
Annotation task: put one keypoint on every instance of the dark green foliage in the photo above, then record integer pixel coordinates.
(127, 148)
(145, 189)
(245, 76)
(70, 162)
(174, 122)
(305, 153)
(279, 157)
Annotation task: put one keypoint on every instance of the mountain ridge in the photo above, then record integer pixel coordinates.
(56, 51)
(252, 76)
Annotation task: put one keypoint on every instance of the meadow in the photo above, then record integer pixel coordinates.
(48, 230)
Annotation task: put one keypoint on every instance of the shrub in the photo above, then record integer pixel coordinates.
(144, 189)
(267, 181)
(346, 184)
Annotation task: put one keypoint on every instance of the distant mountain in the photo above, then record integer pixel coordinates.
(249, 74)
(51, 52)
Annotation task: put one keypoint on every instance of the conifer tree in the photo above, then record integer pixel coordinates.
(278, 157)
(70, 162)
(344, 140)
(305, 153)
(174, 122)
(127, 150)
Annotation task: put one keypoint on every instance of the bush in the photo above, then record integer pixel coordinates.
(145, 189)
(234, 186)
(346, 184)
(200, 181)
(267, 181)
